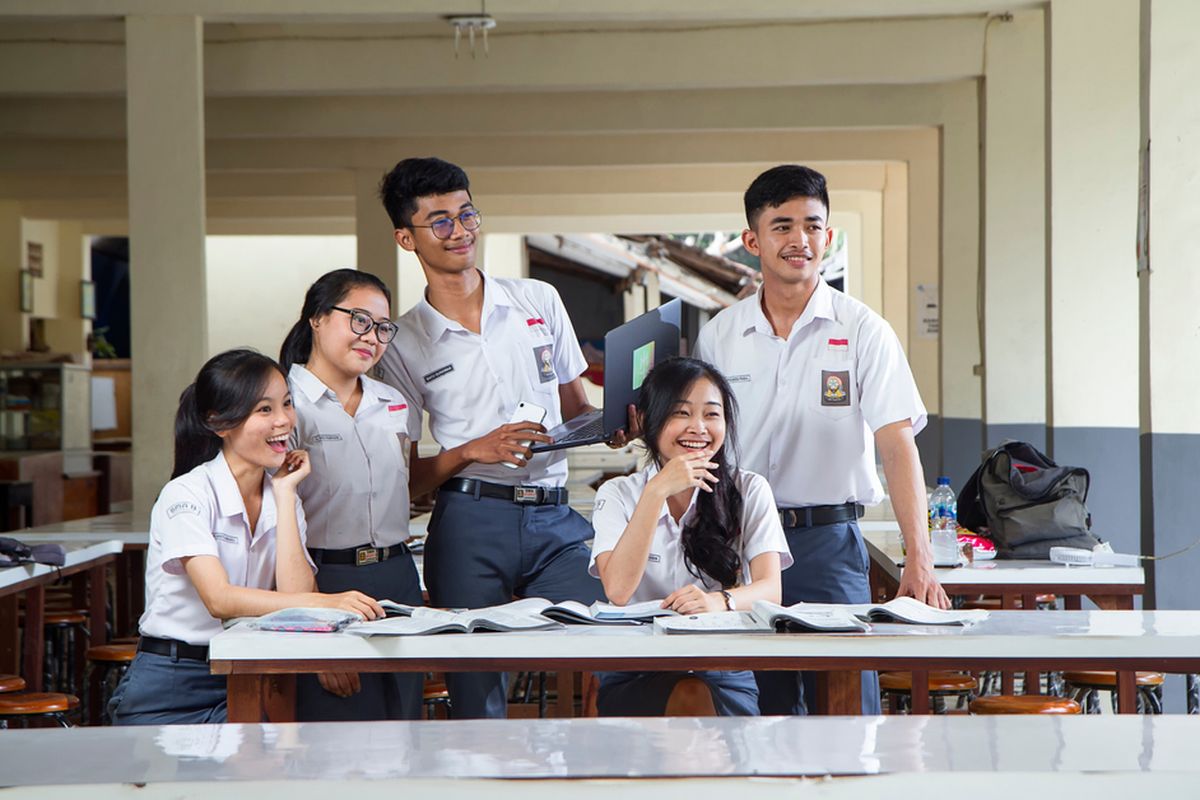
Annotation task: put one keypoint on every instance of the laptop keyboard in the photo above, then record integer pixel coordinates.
(593, 430)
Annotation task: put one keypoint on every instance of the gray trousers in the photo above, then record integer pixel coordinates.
(486, 551)
(831, 566)
(160, 690)
(384, 695)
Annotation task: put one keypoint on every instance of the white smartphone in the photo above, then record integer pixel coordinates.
(526, 412)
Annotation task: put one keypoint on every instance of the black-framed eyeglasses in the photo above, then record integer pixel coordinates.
(362, 323)
(443, 228)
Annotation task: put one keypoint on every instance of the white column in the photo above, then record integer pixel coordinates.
(504, 255)
(376, 245)
(1170, 296)
(68, 331)
(1015, 231)
(1092, 290)
(165, 113)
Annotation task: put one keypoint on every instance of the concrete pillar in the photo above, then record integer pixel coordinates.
(1170, 295)
(376, 245)
(68, 331)
(14, 324)
(1092, 289)
(165, 120)
(961, 391)
(1014, 311)
(895, 250)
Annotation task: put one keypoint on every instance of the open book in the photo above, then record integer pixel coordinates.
(767, 617)
(606, 613)
(402, 620)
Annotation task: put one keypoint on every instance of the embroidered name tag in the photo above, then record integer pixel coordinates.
(437, 373)
(835, 387)
(745, 378)
(227, 538)
(654, 558)
(327, 437)
(182, 507)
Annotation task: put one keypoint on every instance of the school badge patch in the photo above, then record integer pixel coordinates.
(543, 357)
(835, 387)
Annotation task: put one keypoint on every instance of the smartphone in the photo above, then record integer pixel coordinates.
(526, 412)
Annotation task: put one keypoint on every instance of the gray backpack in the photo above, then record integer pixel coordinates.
(1028, 502)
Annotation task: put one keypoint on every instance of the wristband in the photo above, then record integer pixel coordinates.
(730, 605)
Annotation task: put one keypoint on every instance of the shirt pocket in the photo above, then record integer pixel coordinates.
(832, 389)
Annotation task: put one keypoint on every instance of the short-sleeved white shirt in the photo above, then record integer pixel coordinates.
(666, 569)
(201, 513)
(357, 492)
(810, 404)
(470, 384)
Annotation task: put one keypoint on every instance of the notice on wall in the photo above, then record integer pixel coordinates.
(928, 316)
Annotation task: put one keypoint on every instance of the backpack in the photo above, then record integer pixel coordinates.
(14, 552)
(1028, 502)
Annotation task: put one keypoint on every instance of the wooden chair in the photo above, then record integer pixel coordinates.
(11, 683)
(107, 664)
(1023, 704)
(1084, 686)
(436, 697)
(897, 689)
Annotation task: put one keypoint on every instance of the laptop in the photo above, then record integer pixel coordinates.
(630, 351)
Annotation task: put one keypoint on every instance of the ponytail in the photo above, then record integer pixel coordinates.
(225, 392)
(325, 293)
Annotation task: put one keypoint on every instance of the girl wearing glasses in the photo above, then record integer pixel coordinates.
(690, 529)
(356, 500)
(226, 540)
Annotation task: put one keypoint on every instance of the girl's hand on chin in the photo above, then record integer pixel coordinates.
(295, 468)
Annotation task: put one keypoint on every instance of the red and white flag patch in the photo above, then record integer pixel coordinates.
(398, 407)
(841, 345)
(535, 321)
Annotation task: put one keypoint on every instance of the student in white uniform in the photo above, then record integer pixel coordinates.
(822, 381)
(468, 353)
(226, 539)
(355, 430)
(690, 527)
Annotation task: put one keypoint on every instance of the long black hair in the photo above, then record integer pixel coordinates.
(326, 292)
(225, 392)
(712, 540)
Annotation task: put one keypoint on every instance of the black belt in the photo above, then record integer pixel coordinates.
(812, 516)
(358, 556)
(173, 648)
(525, 495)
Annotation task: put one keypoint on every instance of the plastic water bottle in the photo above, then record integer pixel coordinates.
(943, 523)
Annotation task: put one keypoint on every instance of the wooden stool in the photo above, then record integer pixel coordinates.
(11, 683)
(24, 707)
(61, 648)
(1023, 704)
(435, 696)
(897, 689)
(1084, 684)
(691, 697)
(107, 664)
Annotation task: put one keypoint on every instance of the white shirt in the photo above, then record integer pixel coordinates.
(470, 384)
(810, 404)
(357, 492)
(666, 569)
(201, 513)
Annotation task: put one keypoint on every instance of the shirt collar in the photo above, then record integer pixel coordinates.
(436, 323)
(229, 497)
(309, 385)
(820, 304)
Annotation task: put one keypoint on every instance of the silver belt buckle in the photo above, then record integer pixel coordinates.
(366, 555)
(525, 494)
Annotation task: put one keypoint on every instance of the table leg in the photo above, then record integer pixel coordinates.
(121, 621)
(1008, 681)
(1126, 692)
(839, 693)
(34, 642)
(1072, 602)
(244, 697)
(564, 685)
(591, 695)
(279, 698)
(10, 655)
(919, 696)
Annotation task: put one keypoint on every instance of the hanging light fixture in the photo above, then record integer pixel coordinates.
(473, 24)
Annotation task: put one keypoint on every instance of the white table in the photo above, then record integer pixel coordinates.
(660, 748)
(262, 665)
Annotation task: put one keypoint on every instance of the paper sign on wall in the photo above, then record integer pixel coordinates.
(929, 317)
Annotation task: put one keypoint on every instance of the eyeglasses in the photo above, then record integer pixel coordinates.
(443, 228)
(361, 323)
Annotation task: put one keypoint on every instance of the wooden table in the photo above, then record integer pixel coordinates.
(86, 561)
(262, 666)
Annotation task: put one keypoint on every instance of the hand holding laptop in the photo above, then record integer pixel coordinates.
(509, 444)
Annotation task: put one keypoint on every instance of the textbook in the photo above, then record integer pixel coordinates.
(569, 611)
(767, 617)
(521, 615)
(305, 620)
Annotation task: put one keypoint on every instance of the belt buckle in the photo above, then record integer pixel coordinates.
(526, 494)
(366, 555)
